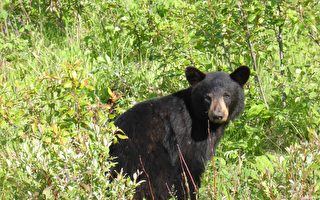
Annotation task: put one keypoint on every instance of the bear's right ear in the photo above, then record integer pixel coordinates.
(194, 75)
(241, 75)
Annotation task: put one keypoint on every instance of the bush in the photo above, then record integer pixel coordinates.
(55, 136)
(292, 175)
(68, 68)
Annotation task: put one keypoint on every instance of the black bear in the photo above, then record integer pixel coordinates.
(171, 138)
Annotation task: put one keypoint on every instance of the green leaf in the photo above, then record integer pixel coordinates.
(263, 163)
(313, 95)
(67, 84)
(47, 192)
(122, 137)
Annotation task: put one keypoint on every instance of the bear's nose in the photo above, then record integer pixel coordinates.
(218, 115)
(218, 112)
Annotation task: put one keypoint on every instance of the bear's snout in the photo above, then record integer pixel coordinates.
(218, 111)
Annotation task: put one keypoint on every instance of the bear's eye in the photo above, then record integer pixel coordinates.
(207, 99)
(226, 95)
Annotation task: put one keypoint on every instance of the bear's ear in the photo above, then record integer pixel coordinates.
(194, 75)
(241, 75)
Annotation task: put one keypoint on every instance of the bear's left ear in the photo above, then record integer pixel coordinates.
(241, 75)
(194, 75)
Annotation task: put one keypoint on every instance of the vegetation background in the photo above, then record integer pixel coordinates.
(69, 67)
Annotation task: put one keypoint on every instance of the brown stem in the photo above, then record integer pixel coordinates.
(281, 55)
(25, 12)
(311, 35)
(170, 192)
(226, 53)
(213, 164)
(186, 192)
(187, 168)
(252, 53)
(147, 175)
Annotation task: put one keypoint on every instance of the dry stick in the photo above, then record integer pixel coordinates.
(314, 38)
(185, 180)
(5, 30)
(213, 163)
(78, 27)
(170, 192)
(280, 44)
(25, 12)
(147, 175)
(186, 166)
(253, 55)
(226, 53)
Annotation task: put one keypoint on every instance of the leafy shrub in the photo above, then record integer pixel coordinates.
(292, 175)
(68, 68)
(55, 137)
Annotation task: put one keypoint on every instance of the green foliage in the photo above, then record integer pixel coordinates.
(56, 133)
(68, 68)
(294, 175)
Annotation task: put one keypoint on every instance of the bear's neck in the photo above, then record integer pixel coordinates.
(200, 127)
(203, 129)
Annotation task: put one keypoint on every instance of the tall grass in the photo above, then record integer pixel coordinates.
(68, 69)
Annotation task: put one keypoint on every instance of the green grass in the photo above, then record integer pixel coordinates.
(67, 72)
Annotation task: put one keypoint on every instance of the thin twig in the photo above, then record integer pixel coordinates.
(170, 192)
(186, 166)
(147, 175)
(252, 53)
(185, 181)
(213, 163)
(281, 56)
(226, 53)
(25, 12)
(314, 38)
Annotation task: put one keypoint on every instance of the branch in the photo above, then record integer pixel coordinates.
(311, 35)
(147, 175)
(281, 55)
(226, 53)
(212, 162)
(252, 53)
(186, 166)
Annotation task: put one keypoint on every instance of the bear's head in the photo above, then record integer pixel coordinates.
(217, 96)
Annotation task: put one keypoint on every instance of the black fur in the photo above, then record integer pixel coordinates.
(158, 127)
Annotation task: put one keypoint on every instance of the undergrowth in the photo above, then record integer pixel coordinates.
(69, 68)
